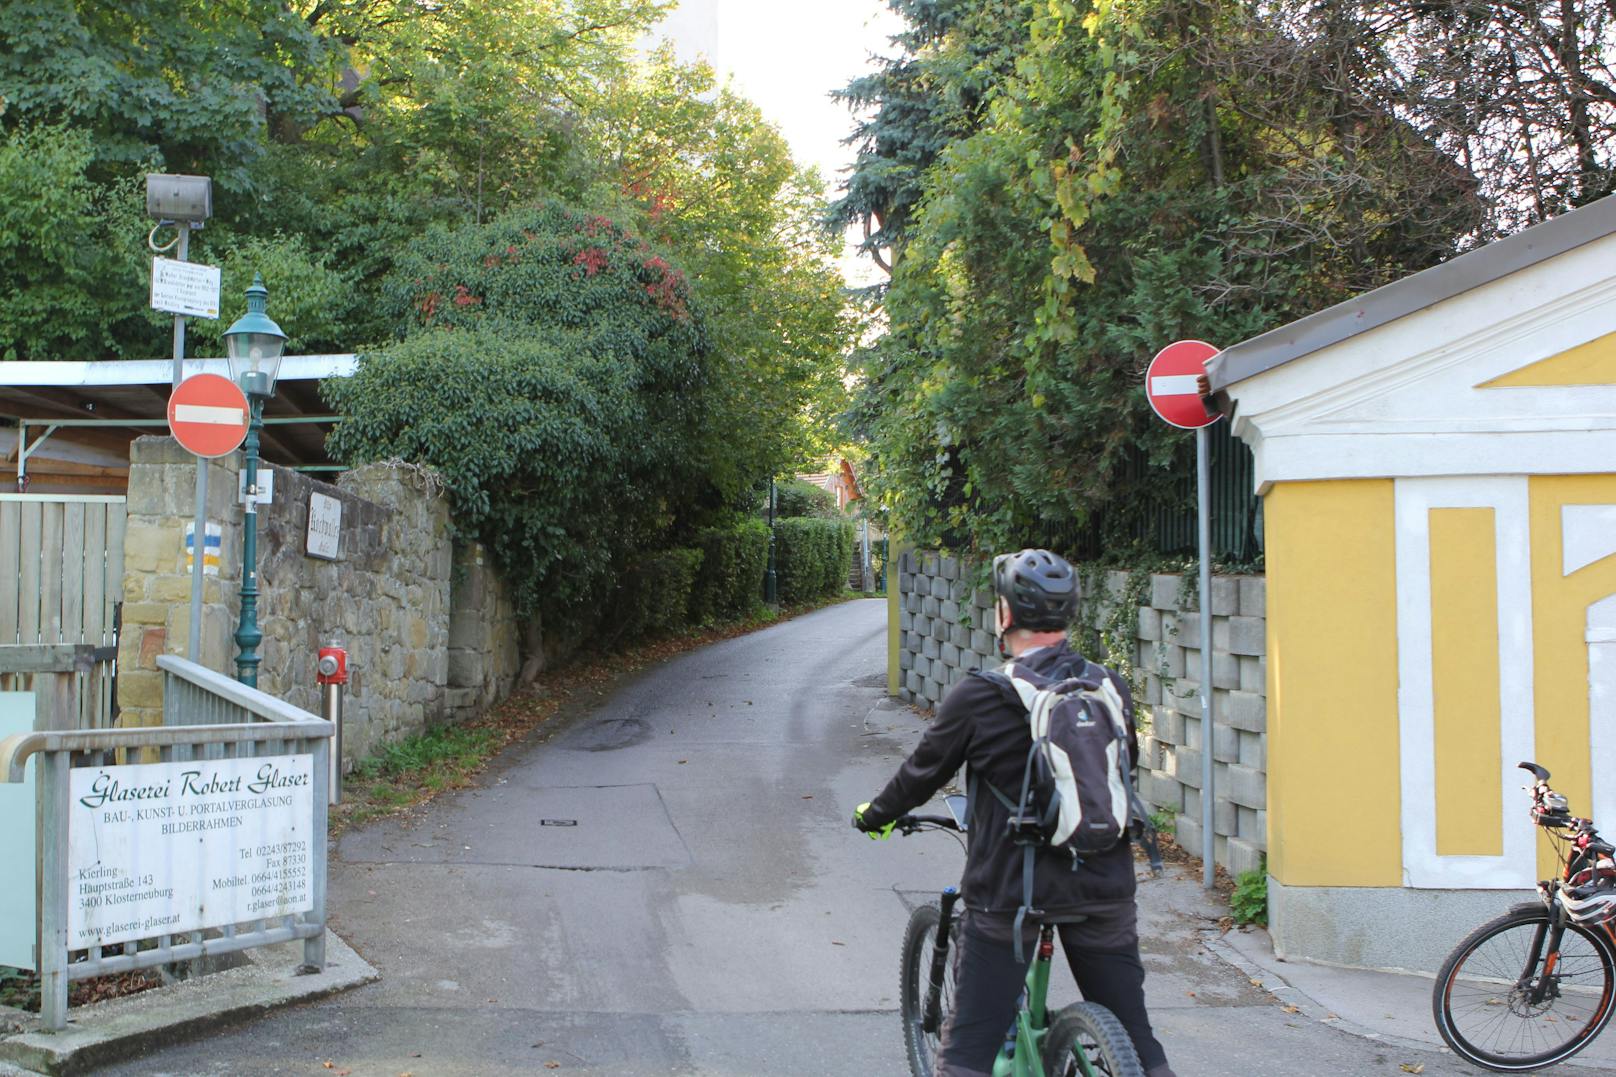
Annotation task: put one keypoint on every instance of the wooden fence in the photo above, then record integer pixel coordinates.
(61, 581)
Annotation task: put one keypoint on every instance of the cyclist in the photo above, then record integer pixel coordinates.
(983, 725)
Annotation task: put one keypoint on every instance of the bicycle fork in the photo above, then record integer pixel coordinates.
(1545, 952)
(931, 1017)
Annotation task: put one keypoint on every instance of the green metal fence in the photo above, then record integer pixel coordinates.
(1155, 509)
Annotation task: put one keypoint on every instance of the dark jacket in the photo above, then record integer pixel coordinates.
(982, 725)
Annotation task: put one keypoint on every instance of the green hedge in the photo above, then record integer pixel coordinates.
(729, 582)
(656, 596)
(798, 498)
(812, 557)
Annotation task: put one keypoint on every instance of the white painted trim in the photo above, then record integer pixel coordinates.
(1589, 535)
(1538, 312)
(1402, 399)
(1369, 455)
(1602, 709)
(1415, 498)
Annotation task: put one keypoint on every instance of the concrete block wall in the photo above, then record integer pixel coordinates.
(388, 598)
(945, 632)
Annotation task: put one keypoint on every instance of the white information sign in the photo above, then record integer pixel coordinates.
(166, 848)
(325, 526)
(185, 288)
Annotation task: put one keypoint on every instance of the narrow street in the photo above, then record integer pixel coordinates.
(668, 886)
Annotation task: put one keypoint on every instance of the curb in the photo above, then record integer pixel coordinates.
(123, 1028)
(1290, 996)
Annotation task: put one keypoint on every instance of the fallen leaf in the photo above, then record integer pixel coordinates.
(682, 762)
(808, 798)
(1413, 1067)
(1292, 1009)
(833, 942)
(1331, 1017)
(552, 1065)
(1191, 994)
(328, 1064)
(343, 1073)
(1256, 983)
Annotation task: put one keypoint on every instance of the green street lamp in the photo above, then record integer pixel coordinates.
(254, 344)
(771, 579)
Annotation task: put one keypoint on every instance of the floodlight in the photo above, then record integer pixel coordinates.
(180, 199)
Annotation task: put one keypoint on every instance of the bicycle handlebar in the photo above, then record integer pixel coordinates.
(912, 824)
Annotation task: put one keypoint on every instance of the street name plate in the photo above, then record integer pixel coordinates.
(185, 288)
(166, 848)
(325, 526)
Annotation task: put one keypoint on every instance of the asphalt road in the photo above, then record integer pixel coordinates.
(668, 886)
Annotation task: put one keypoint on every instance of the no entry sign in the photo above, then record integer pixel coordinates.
(208, 415)
(1171, 383)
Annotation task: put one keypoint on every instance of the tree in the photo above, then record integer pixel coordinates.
(704, 173)
(1148, 172)
(555, 371)
(72, 260)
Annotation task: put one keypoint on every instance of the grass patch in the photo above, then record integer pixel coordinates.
(416, 769)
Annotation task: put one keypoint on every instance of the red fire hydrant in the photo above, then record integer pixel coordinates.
(332, 673)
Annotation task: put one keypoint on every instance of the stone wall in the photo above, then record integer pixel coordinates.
(484, 656)
(945, 632)
(389, 597)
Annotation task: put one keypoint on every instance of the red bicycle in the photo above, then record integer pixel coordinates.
(1536, 985)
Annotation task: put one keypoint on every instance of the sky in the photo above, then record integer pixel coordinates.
(786, 56)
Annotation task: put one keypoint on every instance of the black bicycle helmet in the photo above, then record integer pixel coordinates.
(1041, 588)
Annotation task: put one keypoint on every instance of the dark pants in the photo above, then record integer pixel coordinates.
(1103, 951)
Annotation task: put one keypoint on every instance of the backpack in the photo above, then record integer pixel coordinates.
(1077, 793)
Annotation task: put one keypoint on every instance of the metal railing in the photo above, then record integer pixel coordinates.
(210, 718)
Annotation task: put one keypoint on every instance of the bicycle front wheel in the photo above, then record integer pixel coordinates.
(919, 946)
(1087, 1040)
(1503, 1001)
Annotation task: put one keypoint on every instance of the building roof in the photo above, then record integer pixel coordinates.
(130, 397)
(1403, 297)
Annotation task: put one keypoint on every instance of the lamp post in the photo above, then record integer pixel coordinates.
(255, 345)
(771, 584)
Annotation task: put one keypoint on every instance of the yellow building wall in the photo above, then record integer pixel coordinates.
(1333, 775)
(1465, 680)
(1559, 619)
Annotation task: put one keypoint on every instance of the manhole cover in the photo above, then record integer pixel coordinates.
(594, 827)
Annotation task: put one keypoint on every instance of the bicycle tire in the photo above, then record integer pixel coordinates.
(919, 942)
(1475, 998)
(1087, 1040)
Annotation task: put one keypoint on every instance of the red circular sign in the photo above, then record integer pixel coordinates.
(1171, 384)
(208, 415)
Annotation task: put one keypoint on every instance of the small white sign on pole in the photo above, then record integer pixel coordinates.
(185, 288)
(266, 486)
(325, 526)
(166, 848)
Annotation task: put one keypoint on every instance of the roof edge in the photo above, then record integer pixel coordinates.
(1409, 295)
(81, 373)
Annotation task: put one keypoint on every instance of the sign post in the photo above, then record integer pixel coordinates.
(1172, 385)
(181, 288)
(208, 415)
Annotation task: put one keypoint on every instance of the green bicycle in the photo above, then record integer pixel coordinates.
(1082, 1040)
